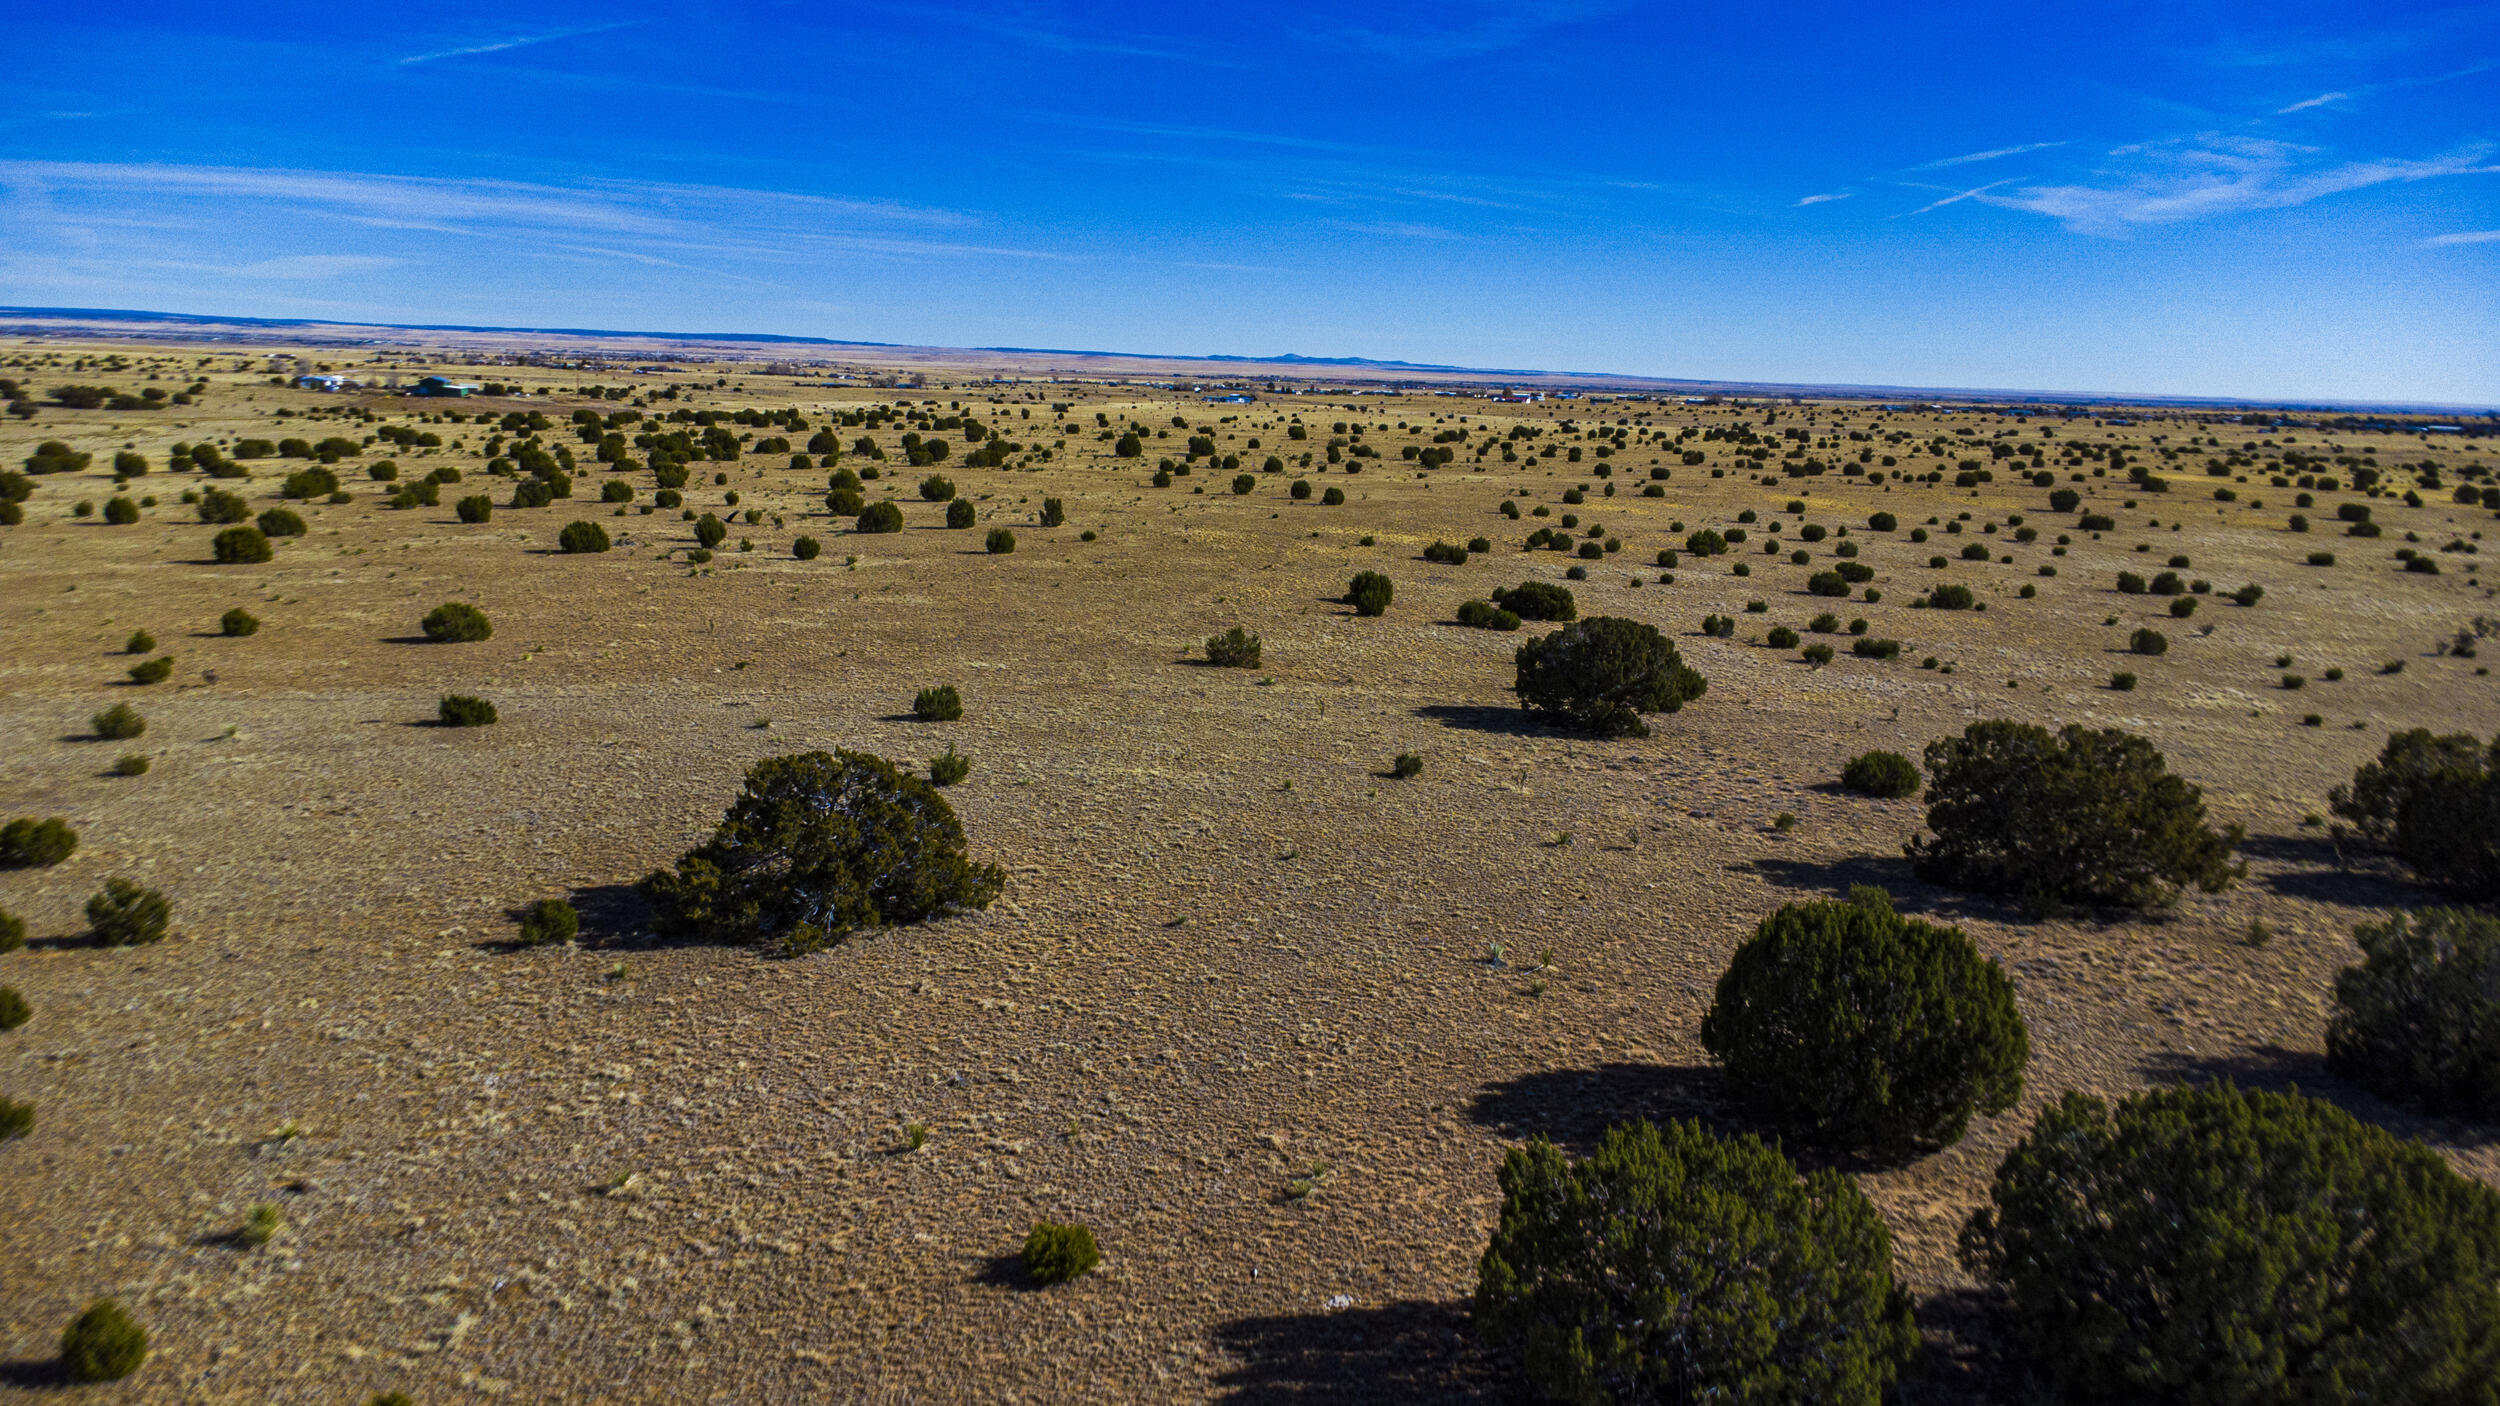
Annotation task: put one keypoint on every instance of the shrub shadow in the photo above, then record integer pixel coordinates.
(2279, 1070)
(1573, 1108)
(406, 639)
(1007, 1272)
(1479, 717)
(36, 1374)
(614, 915)
(2319, 849)
(1967, 1354)
(2370, 887)
(1405, 1352)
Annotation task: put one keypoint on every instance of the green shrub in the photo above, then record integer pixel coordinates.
(949, 769)
(1054, 512)
(1484, 615)
(885, 516)
(1781, 637)
(121, 512)
(1882, 522)
(1000, 540)
(140, 642)
(711, 531)
(126, 915)
(806, 548)
(2122, 681)
(456, 622)
(2081, 815)
(309, 484)
(2418, 1018)
(1333, 497)
(12, 931)
(528, 493)
(103, 1344)
(2209, 1245)
(547, 922)
(937, 488)
(16, 1119)
(1369, 593)
(1827, 583)
(1675, 1265)
(119, 723)
(240, 546)
(1886, 774)
(1869, 647)
(1817, 654)
(1446, 553)
(28, 843)
(238, 623)
(217, 505)
(1538, 600)
(1236, 648)
(941, 704)
(2148, 641)
(960, 513)
(260, 1225)
(1055, 1254)
(1718, 626)
(281, 522)
(477, 507)
(1853, 1027)
(461, 710)
(1406, 766)
(818, 846)
(1599, 675)
(14, 1011)
(843, 502)
(130, 764)
(2433, 802)
(583, 537)
(616, 490)
(156, 670)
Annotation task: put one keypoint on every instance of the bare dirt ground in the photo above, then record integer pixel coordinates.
(1261, 1016)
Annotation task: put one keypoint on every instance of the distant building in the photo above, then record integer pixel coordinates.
(327, 383)
(443, 386)
(1234, 399)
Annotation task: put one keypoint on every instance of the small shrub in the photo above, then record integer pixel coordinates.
(2122, 681)
(582, 536)
(121, 512)
(1599, 675)
(884, 516)
(941, 704)
(2211, 1245)
(456, 622)
(261, 1225)
(2148, 641)
(547, 922)
(238, 623)
(130, 764)
(156, 670)
(1781, 637)
(1369, 593)
(2183, 607)
(2321, 558)
(1718, 627)
(14, 1011)
(1951, 598)
(240, 546)
(217, 505)
(12, 931)
(1406, 765)
(103, 1344)
(949, 769)
(28, 843)
(1538, 600)
(2080, 815)
(1333, 497)
(16, 1119)
(126, 915)
(2418, 1018)
(1817, 654)
(461, 710)
(477, 507)
(1869, 647)
(1055, 1254)
(119, 723)
(1236, 648)
(1851, 1026)
(806, 548)
(1676, 1265)
(2433, 802)
(937, 488)
(960, 513)
(817, 846)
(140, 642)
(1000, 540)
(1446, 553)
(711, 531)
(1886, 774)
(281, 522)
(1827, 583)
(1055, 512)
(1484, 615)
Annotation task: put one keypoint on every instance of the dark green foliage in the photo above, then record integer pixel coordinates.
(1827, 583)
(1406, 765)
(14, 1011)
(461, 710)
(121, 512)
(1446, 553)
(238, 623)
(2148, 641)
(806, 548)
(126, 915)
(885, 516)
(2123, 681)
(2248, 595)
(528, 493)
(477, 507)
(2183, 607)
(118, 723)
(140, 642)
(1484, 615)
(1236, 648)
(2081, 815)
(1677, 1266)
(1055, 1254)
(960, 513)
(1369, 593)
(1302, 489)
(156, 670)
(1243, 483)
(2214, 1246)
(2418, 1018)
(217, 505)
(582, 537)
(130, 764)
(12, 931)
(103, 1344)
(16, 1119)
(1951, 598)
(616, 490)
(1055, 512)
(2433, 802)
(2065, 500)
(1781, 637)
(28, 843)
(1850, 1026)
(936, 488)
(1869, 647)
(711, 531)
(56, 457)
(1000, 540)
(1718, 627)
(1599, 675)
(456, 622)
(547, 922)
(309, 484)
(818, 846)
(949, 769)
(1538, 600)
(1706, 543)
(845, 502)
(1332, 497)
(1882, 522)
(941, 704)
(1886, 774)
(240, 546)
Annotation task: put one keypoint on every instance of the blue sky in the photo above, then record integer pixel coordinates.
(2293, 199)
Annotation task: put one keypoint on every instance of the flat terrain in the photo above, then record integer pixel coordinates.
(1263, 1017)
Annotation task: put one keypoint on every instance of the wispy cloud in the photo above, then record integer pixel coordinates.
(2305, 104)
(1979, 156)
(522, 41)
(315, 266)
(1974, 193)
(2479, 236)
(1464, 29)
(1823, 199)
(2216, 174)
(1397, 229)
